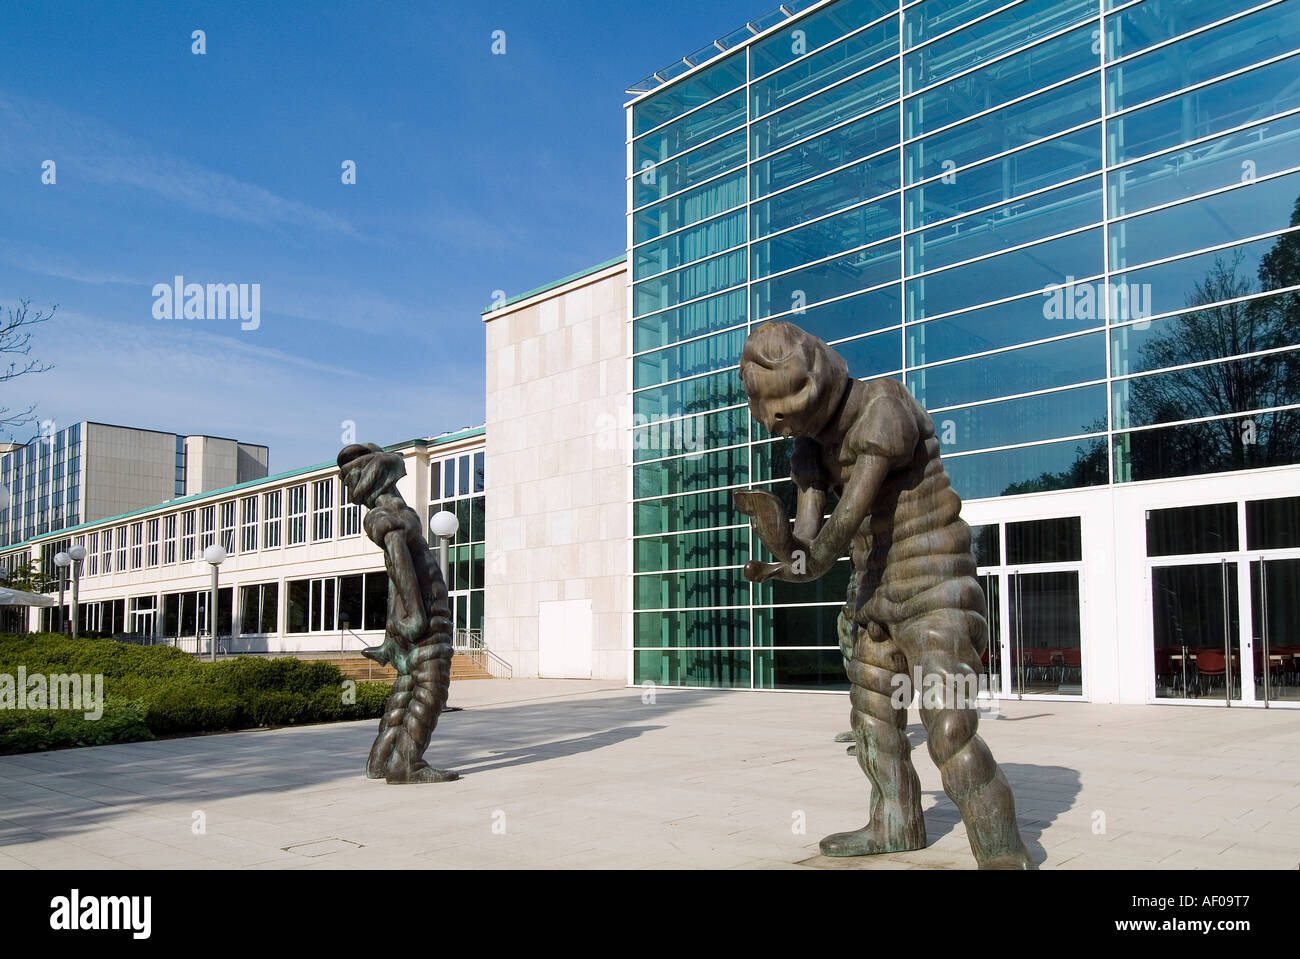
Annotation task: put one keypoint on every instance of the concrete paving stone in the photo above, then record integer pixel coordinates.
(588, 776)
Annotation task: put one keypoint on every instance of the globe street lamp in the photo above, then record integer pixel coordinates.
(61, 560)
(78, 553)
(214, 555)
(444, 525)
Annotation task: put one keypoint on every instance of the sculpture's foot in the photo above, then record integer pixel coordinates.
(872, 840)
(1010, 861)
(424, 774)
(844, 737)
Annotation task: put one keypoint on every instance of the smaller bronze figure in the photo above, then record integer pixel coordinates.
(418, 631)
(913, 605)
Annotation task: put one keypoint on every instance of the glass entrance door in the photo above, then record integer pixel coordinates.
(1196, 617)
(991, 583)
(1275, 605)
(1046, 635)
(143, 625)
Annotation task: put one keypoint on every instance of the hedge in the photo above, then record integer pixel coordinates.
(159, 690)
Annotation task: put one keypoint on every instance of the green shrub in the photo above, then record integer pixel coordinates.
(160, 690)
(193, 708)
(123, 721)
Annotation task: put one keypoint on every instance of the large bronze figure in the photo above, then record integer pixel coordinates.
(418, 632)
(914, 607)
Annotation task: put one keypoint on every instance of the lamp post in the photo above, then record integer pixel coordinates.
(61, 560)
(215, 556)
(444, 525)
(78, 553)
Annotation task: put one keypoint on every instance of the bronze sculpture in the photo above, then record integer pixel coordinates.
(913, 601)
(418, 629)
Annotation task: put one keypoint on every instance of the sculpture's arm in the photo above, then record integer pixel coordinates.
(833, 539)
(412, 619)
(813, 484)
(811, 561)
(883, 437)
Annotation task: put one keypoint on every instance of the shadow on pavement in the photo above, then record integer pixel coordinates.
(48, 795)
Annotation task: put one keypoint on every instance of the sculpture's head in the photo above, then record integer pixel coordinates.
(793, 380)
(368, 471)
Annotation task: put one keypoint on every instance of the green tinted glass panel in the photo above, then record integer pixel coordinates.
(691, 434)
(674, 176)
(725, 547)
(1228, 47)
(1000, 82)
(692, 667)
(709, 84)
(835, 191)
(1007, 275)
(693, 319)
(689, 474)
(694, 511)
(1015, 125)
(1027, 170)
(854, 54)
(846, 101)
(1047, 365)
(1021, 221)
(1213, 389)
(718, 587)
(701, 394)
(700, 203)
(989, 38)
(706, 123)
(695, 243)
(850, 273)
(688, 359)
(871, 134)
(1206, 111)
(713, 627)
(1218, 446)
(1029, 469)
(689, 283)
(1026, 420)
(799, 37)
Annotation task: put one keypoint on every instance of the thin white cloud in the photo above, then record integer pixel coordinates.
(175, 377)
(91, 151)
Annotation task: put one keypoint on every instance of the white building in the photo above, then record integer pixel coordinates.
(300, 574)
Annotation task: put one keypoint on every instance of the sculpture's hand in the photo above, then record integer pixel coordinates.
(769, 519)
(758, 572)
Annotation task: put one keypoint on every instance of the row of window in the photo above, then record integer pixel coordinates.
(326, 604)
(300, 514)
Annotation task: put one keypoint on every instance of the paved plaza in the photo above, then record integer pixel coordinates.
(584, 774)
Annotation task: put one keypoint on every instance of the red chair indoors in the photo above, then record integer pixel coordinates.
(1210, 664)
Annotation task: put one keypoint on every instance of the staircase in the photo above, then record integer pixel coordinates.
(357, 667)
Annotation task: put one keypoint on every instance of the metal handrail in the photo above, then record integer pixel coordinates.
(469, 642)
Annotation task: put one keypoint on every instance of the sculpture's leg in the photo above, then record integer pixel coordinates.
(883, 752)
(410, 717)
(847, 630)
(944, 643)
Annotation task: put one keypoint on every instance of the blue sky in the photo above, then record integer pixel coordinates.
(474, 173)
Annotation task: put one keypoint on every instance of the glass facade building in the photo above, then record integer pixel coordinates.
(44, 480)
(1071, 227)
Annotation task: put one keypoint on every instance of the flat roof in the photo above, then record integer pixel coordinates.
(621, 258)
(735, 39)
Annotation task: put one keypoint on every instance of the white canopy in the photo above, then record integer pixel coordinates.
(16, 597)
